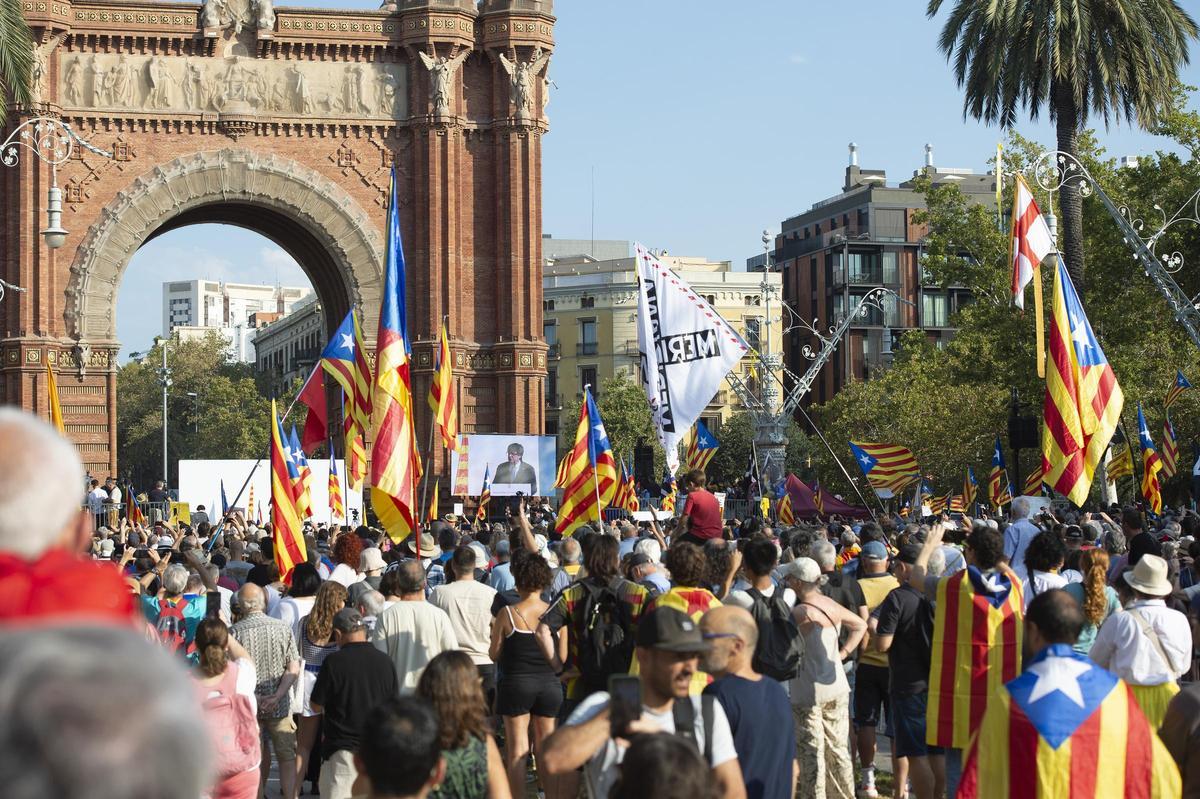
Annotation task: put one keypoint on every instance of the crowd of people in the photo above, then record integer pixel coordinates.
(693, 657)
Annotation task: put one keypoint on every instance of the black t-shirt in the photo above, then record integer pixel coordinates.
(845, 590)
(907, 615)
(351, 683)
(158, 495)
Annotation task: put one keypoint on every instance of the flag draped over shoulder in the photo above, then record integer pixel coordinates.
(701, 448)
(1066, 728)
(999, 487)
(344, 358)
(1170, 449)
(591, 471)
(441, 394)
(285, 520)
(976, 649)
(395, 460)
(889, 468)
(1176, 390)
(686, 350)
(1083, 401)
(336, 508)
(56, 417)
(1151, 466)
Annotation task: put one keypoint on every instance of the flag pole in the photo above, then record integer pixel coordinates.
(837, 460)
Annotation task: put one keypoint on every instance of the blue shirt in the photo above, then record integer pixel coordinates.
(1016, 540)
(193, 612)
(760, 717)
(502, 579)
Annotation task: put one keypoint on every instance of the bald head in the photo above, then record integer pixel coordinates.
(39, 487)
(251, 599)
(733, 637)
(731, 619)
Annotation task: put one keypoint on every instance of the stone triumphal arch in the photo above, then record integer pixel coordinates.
(290, 122)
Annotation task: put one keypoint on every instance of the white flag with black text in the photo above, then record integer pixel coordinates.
(686, 350)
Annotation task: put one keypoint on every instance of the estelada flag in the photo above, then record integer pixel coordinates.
(1066, 728)
(1176, 390)
(1151, 466)
(701, 448)
(336, 509)
(591, 471)
(285, 521)
(485, 496)
(786, 515)
(976, 649)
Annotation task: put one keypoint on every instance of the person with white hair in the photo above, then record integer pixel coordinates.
(97, 712)
(174, 615)
(820, 692)
(1018, 535)
(45, 534)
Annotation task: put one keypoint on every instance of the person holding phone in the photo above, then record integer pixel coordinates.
(596, 735)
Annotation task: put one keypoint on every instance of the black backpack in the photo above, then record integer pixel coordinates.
(777, 654)
(604, 633)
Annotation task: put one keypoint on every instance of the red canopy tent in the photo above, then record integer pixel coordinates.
(803, 506)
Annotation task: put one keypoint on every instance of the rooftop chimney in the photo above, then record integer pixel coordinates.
(853, 154)
(929, 156)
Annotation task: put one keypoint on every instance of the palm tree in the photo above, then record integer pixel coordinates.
(16, 57)
(1109, 58)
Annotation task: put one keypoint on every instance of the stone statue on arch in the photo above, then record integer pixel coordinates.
(441, 78)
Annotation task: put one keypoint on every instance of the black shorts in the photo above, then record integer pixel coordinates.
(541, 695)
(870, 695)
(908, 721)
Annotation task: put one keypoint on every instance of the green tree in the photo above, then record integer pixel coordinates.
(227, 419)
(729, 464)
(1113, 59)
(626, 416)
(16, 57)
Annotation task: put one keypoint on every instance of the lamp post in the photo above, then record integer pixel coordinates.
(52, 141)
(164, 379)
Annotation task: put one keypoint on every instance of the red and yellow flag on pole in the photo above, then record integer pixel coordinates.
(285, 520)
(56, 417)
(786, 515)
(461, 483)
(1083, 401)
(1151, 466)
(591, 471)
(976, 649)
(395, 460)
(345, 359)
(441, 394)
(485, 495)
(336, 508)
(1170, 449)
(431, 513)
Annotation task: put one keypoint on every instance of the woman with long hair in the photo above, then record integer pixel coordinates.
(474, 769)
(300, 597)
(1097, 598)
(226, 679)
(315, 644)
(528, 688)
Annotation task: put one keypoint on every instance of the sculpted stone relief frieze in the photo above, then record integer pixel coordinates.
(353, 90)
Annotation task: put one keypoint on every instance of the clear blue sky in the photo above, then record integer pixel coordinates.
(702, 127)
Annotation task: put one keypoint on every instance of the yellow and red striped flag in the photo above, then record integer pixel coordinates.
(1066, 728)
(395, 460)
(887, 467)
(632, 503)
(336, 508)
(345, 359)
(1120, 464)
(701, 448)
(957, 505)
(785, 512)
(1033, 483)
(560, 476)
(1170, 449)
(1151, 466)
(303, 486)
(485, 496)
(285, 520)
(970, 490)
(461, 481)
(441, 394)
(819, 498)
(591, 471)
(1176, 390)
(1083, 400)
(976, 649)
(431, 513)
(56, 417)
(668, 500)
(250, 504)
(999, 486)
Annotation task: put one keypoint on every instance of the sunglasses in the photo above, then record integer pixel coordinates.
(711, 636)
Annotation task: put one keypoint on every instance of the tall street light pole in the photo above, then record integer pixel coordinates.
(164, 379)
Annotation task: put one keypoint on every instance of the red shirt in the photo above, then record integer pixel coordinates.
(704, 514)
(61, 586)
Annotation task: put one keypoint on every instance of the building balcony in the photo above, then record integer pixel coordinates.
(719, 400)
(587, 348)
(554, 352)
(554, 402)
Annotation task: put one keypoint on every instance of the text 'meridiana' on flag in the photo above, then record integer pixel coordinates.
(685, 347)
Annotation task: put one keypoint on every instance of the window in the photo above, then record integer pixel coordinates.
(587, 302)
(891, 311)
(935, 310)
(753, 299)
(551, 427)
(550, 331)
(863, 267)
(711, 299)
(552, 398)
(890, 224)
(587, 377)
(753, 331)
(588, 342)
(891, 268)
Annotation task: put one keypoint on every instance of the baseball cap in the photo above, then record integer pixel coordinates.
(639, 559)
(805, 570)
(874, 550)
(1073, 533)
(909, 553)
(670, 630)
(347, 620)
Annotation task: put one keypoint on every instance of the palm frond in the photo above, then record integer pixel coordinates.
(16, 56)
